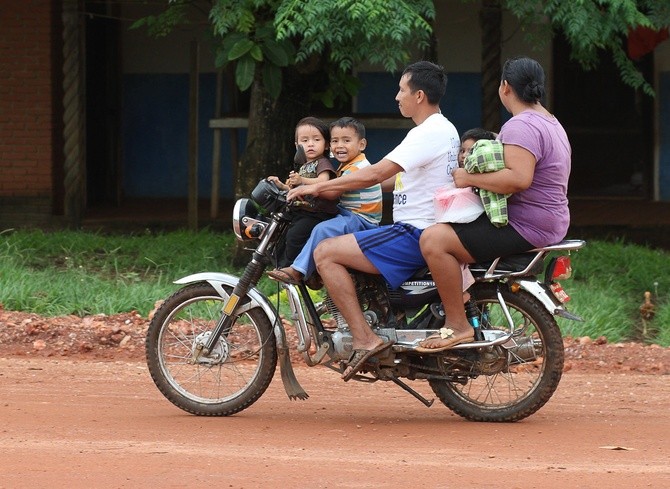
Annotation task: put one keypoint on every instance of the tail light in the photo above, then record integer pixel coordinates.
(559, 268)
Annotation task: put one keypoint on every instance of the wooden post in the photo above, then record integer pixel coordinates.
(193, 139)
(216, 150)
(490, 18)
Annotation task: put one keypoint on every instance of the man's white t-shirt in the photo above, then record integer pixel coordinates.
(428, 155)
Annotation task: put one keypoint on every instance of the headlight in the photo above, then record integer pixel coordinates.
(247, 224)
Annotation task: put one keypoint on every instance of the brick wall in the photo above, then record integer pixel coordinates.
(26, 105)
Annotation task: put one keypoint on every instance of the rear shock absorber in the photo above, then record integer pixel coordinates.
(472, 313)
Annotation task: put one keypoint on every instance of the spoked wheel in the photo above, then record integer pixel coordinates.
(507, 382)
(232, 376)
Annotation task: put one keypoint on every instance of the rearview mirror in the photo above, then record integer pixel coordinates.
(300, 157)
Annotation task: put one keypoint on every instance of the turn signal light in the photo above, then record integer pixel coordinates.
(253, 231)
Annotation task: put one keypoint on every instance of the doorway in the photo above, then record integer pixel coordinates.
(609, 124)
(103, 104)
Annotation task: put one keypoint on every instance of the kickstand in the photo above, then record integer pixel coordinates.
(407, 388)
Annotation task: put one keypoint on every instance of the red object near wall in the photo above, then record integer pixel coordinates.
(643, 40)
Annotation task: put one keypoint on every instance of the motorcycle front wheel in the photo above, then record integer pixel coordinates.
(509, 382)
(232, 376)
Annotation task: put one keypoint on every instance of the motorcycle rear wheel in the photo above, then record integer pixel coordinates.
(504, 384)
(233, 377)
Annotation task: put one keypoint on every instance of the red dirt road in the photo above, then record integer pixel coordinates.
(74, 423)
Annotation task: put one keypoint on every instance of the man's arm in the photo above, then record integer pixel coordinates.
(388, 185)
(335, 187)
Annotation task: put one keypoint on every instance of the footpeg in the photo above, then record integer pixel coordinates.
(438, 311)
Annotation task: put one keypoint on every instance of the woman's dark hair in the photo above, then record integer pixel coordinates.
(526, 77)
(350, 122)
(320, 125)
(429, 77)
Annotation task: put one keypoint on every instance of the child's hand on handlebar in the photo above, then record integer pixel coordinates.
(280, 185)
(299, 193)
(294, 179)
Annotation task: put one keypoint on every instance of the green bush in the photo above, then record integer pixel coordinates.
(83, 273)
(69, 272)
(607, 290)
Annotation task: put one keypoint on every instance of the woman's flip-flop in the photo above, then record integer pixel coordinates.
(446, 339)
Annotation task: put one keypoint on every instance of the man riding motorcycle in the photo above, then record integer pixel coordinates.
(419, 165)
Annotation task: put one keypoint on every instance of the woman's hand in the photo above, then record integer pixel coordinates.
(515, 177)
(460, 177)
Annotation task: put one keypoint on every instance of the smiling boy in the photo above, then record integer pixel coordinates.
(358, 210)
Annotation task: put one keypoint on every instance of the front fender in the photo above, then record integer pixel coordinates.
(256, 298)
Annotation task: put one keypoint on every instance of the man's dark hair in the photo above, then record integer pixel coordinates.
(429, 77)
(350, 122)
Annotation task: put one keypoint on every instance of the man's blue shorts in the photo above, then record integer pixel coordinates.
(393, 250)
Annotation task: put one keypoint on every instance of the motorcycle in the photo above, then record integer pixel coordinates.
(212, 347)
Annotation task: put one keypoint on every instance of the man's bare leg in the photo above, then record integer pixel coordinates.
(333, 256)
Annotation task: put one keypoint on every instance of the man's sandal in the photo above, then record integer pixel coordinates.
(359, 358)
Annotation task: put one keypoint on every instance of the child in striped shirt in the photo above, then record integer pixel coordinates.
(358, 209)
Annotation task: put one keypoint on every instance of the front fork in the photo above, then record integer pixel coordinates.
(252, 274)
(303, 326)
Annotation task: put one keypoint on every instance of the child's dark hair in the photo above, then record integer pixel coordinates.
(477, 133)
(350, 122)
(321, 126)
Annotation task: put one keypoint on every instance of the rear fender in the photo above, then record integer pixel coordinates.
(544, 295)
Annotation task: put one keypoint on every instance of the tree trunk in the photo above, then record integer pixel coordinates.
(490, 18)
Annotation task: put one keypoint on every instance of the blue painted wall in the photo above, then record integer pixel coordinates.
(155, 137)
(155, 128)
